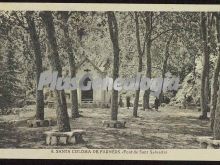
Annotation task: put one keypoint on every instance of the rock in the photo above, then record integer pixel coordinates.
(48, 140)
(63, 138)
(39, 123)
(114, 124)
(208, 142)
(53, 140)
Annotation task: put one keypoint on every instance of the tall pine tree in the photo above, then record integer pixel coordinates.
(9, 77)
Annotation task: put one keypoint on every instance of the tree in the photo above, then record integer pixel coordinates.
(71, 57)
(204, 77)
(217, 119)
(38, 60)
(62, 114)
(148, 23)
(147, 42)
(215, 83)
(150, 37)
(165, 62)
(153, 31)
(113, 30)
(140, 56)
(10, 82)
(3, 100)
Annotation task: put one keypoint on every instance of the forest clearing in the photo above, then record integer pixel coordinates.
(169, 128)
(98, 80)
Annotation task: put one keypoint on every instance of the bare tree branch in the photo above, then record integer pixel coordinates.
(165, 31)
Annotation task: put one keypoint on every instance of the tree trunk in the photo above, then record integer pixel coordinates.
(203, 97)
(167, 54)
(71, 57)
(215, 83)
(217, 119)
(62, 114)
(113, 29)
(38, 61)
(207, 85)
(140, 55)
(146, 97)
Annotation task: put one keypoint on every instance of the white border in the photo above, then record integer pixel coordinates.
(107, 7)
(171, 154)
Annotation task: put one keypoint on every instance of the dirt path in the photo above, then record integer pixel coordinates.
(170, 128)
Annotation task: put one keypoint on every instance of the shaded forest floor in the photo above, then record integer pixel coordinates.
(168, 129)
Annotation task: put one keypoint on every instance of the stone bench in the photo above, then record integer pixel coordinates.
(39, 123)
(63, 138)
(114, 124)
(207, 142)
